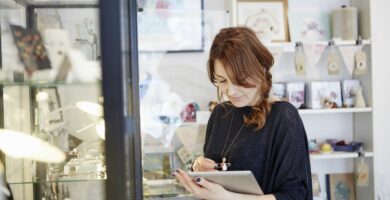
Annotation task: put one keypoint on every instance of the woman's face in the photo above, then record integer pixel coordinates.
(239, 96)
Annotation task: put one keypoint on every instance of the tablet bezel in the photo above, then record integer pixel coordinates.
(236, 181)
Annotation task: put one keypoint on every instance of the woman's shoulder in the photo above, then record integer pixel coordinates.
(223, 107)
(284, 109)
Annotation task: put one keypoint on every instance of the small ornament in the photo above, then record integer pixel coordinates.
(360, 63)
(300, 62)
(326, 148)
(362, 173)
(327, 102)
(333, 62)
(359, 99)
(189, 113)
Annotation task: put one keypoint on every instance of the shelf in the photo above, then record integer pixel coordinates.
(335, 110)
(59, 3)
(46, 84)
(160, 149)
(57, 181)
(338, 155)
(192, 124)
(290, 46)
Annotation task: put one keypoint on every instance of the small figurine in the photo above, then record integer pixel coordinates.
(326, 148)
(326, 102)
(313, 146)
(359, 99)
(189, 113)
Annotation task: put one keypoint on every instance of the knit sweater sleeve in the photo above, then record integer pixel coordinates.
(291, 164)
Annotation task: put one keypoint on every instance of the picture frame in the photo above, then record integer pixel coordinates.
(83, 27)
(171, 26)
(273, 12)
(309, 24)
(340, 186)
(52, 105)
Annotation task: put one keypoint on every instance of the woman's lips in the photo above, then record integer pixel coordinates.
(236, 98)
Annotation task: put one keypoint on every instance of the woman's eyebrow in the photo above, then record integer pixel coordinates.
(219, 76)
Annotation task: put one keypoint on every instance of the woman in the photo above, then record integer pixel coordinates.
(249, 131)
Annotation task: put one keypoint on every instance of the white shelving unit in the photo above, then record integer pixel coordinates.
(338, 155)
(335, 110)
(341, 123)
(290, 46)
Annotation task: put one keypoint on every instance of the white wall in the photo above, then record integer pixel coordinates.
(380, 32)
(186, 73)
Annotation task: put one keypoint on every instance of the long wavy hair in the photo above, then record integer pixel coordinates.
(247, 62)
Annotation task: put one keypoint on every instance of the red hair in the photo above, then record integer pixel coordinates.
(247, 62)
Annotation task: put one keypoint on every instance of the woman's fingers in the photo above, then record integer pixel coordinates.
(182, 180)
(204, 183)
(204, 164)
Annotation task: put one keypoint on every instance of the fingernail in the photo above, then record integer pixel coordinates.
(178, 171)
(198, 179)
(173, 174)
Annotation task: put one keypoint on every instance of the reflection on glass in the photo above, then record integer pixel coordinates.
(174, 88)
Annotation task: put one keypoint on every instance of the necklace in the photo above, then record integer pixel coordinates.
(226, 149)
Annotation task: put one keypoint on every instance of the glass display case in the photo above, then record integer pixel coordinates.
(52, 121)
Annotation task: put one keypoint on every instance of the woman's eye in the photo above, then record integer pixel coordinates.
(223, 81)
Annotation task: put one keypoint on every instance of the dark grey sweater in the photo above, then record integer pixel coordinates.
(277, 154)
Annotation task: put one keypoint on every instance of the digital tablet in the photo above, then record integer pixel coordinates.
(236, 181)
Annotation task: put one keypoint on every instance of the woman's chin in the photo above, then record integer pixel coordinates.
(239, 104)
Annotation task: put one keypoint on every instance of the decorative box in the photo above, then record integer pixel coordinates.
(324, 94)
(296, 94)
(279, 91)
(349, 88)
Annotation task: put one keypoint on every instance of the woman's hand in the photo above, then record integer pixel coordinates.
(203, 164)
(201, 188)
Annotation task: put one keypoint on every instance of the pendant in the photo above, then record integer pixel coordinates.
(223, 164)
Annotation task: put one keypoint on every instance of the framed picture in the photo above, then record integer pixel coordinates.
(296, 94)
(50, 103)
(309, 25)
(32, 51)
(340, 186)
(80, 21)
(170, 26)
(268, 18)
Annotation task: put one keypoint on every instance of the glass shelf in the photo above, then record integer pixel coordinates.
(57, 181)
(57, 2)
(43, 84)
